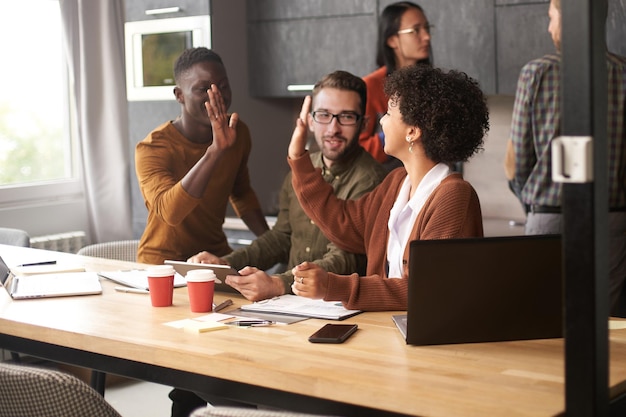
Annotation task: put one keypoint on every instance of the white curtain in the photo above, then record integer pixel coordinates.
(94, 37)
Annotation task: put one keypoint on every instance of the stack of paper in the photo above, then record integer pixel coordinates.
(301, 306)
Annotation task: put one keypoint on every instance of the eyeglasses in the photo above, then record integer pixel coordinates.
(417, 29)
(344, 119)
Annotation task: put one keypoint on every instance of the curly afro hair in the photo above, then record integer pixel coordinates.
(192, 56)
(448, 107)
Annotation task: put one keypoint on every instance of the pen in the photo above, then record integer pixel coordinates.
(250, 323)
(40, 263)
(133, 290)
(223, 305)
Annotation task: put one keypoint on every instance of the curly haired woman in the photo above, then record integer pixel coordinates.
(434, 119)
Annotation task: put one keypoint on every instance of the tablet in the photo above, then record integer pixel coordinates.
(221, 271)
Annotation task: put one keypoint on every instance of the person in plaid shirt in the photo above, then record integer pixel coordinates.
(536, 121)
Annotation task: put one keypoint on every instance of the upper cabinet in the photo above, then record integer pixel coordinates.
(165, 9)
(463, 37)
(293, 43)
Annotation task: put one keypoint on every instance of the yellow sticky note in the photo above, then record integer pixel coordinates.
(195, 326)
(617, 324)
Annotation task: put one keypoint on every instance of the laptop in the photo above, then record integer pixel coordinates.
(484, 290)
(48, 285)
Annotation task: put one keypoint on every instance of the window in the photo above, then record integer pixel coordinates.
(36, 148)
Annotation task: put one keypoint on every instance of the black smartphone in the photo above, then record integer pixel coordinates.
(333, 333)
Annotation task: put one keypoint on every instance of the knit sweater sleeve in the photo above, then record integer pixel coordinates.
(343, 222)
(161, 188)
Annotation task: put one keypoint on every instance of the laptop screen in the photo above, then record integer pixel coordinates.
(485, 289)
(4, 272)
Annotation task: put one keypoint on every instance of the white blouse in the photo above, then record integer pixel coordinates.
(404, 212)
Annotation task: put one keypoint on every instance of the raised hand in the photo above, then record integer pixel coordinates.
(224, 128)
(297, 146)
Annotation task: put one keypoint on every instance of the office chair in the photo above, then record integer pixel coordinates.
(29, 391)
(14, 237)
(209, 411)
(121, 250)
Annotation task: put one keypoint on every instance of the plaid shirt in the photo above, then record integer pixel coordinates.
(536, 121)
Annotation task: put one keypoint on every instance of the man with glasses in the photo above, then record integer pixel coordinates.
(336, 120)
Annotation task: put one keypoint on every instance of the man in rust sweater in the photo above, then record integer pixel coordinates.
(189, 168)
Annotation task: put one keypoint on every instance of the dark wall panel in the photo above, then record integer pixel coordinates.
(522, 35)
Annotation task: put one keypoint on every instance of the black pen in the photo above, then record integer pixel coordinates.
(40, 263)
(250, 323)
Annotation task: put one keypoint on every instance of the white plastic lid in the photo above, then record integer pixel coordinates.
(200, 275)
(161, 271)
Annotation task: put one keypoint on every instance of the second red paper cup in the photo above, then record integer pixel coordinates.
(200, 286)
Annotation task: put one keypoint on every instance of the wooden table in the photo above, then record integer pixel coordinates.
(373, 373)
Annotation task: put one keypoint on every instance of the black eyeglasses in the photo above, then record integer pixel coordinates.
(417, 29)
(344, 119)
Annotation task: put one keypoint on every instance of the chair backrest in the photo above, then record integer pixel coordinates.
(15, 237)
(246, 412)
(121, 250)
(33, 391)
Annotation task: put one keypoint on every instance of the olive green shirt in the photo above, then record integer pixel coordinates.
(295, 238)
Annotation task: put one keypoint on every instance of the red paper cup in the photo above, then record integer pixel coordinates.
(161, 285)
(200, 287)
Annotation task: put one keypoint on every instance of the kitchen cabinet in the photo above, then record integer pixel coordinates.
(136, 9)
(463, 37)
(292, 44)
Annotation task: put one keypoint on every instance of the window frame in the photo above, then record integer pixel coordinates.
(67, 188)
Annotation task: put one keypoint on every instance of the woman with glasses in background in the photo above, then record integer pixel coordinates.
(403, 40)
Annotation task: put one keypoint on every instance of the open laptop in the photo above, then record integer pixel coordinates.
(48, 285)
(484, 290)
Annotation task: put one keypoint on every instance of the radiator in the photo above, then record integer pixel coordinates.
(69, 242)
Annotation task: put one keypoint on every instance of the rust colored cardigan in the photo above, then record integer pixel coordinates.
(360, 226)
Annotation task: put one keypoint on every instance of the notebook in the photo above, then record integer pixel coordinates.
(301, 306)
(484, 290)
(137, 278)
(48, 285)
